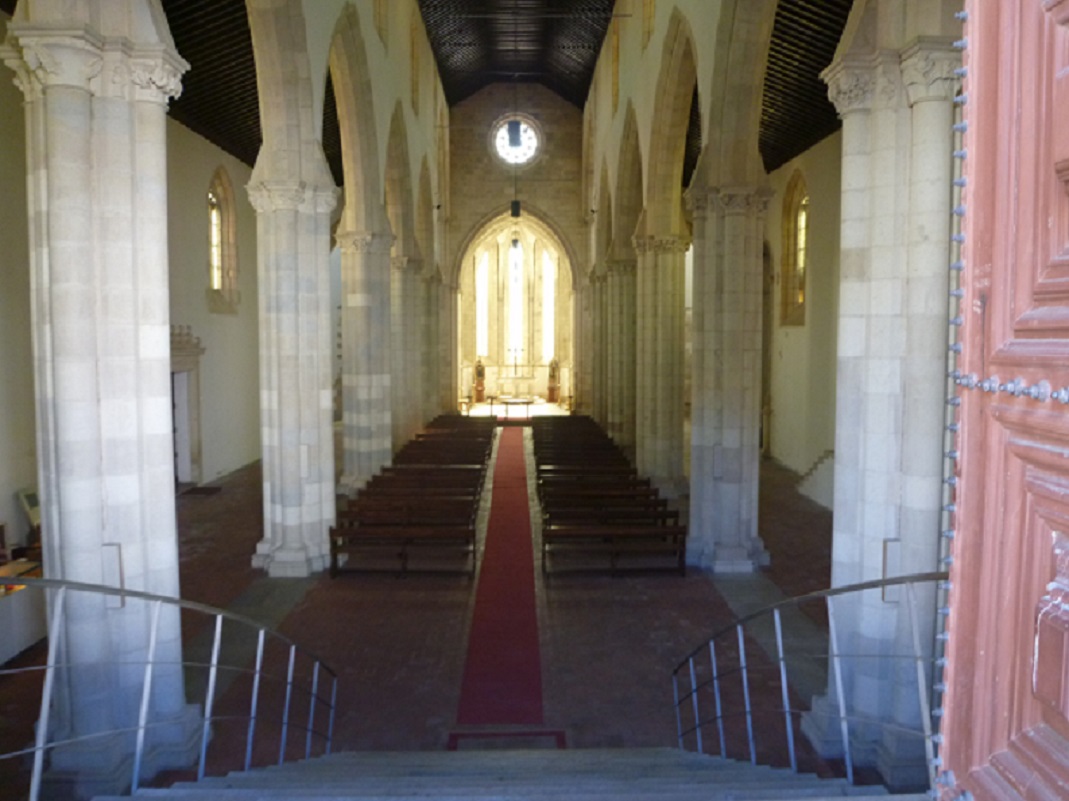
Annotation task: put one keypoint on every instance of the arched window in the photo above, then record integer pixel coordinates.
(795, 257)
(223, 295)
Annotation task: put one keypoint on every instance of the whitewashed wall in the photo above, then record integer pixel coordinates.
(18, 462)
(229, 377)
(803, 357)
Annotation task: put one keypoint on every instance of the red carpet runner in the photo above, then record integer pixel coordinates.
(503, 673)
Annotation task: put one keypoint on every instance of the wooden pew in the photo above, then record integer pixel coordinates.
(616, 540)
(593, 501)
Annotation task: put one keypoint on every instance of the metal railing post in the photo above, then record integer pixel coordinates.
(46, 693)
(146, 693)
(209, 698)
(286, 709)
(333, 706)
(746, 693)
(312, 710)
(922, 687)
(56, 696)
(255, 702)
(783, 685)
(839, 691)
(716, 697)
(679, 717)
(694, 703)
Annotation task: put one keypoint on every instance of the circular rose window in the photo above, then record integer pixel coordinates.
(515, 141)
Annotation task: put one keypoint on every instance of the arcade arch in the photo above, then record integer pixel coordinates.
(515, 311)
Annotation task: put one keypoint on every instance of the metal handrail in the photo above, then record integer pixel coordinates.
(313, 694)
(686, 699)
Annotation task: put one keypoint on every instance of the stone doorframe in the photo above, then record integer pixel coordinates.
(186, 351)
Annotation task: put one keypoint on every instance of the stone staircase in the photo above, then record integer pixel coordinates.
(579, 775)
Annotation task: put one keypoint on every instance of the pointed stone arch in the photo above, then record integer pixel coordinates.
(433, 360)
(400, 207)
(424, 224)
(539, 215)
(628, 206)
(627, 210)
(603, 219)
(354, 97)
(740, 57)
(406, 267)
(365, 239)
(668, 137)
(538, 230)
(661, 240)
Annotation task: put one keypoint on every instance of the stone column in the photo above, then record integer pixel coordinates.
(659, 377)
(584, 356)
(293, 240)
(365, 323)
(890, 378)
(930, 84)
(405, 328)
(449, 388)
(726, 383)
(625, 333)
(95, 111)
(613, 401)
(430, 391)
(599, 342)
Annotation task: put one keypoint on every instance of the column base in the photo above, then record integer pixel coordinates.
(288, 562)
(105, 765)
(728, 558)
(822, 727)
(902, 762)
(349, 484)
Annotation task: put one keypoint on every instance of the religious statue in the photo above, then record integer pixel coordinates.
(480, 381)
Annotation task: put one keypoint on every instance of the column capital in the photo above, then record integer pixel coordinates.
(851, 85)
(364, 241)
(928, 70)
(671, 243)
(106, 66)
(741, 199)
(52, 57)
(403, 263)
(1059, 9)
(151, 74)
(269, 196)
(620, 266)
(864, 83)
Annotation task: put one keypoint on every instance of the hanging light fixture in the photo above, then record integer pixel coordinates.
(514, 123)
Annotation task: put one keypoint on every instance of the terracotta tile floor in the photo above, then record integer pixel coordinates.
(608, 644)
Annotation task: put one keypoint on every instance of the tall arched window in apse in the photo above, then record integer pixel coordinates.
(222, 292)
(795, 256)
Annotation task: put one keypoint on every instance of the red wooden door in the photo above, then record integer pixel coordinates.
(1007, 705)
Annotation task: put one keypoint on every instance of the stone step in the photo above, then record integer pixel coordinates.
(578, 775)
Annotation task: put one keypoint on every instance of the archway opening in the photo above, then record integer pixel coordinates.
(515, 313)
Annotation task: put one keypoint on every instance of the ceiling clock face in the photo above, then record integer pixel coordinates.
(514, 152)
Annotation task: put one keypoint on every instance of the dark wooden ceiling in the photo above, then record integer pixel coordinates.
(552, 42)
(478, 42)
(795, 110)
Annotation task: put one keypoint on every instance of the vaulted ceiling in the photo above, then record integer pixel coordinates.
(477, 42)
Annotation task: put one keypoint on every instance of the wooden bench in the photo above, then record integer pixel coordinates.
(609, 514)
(402, 539)
(616, 540)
